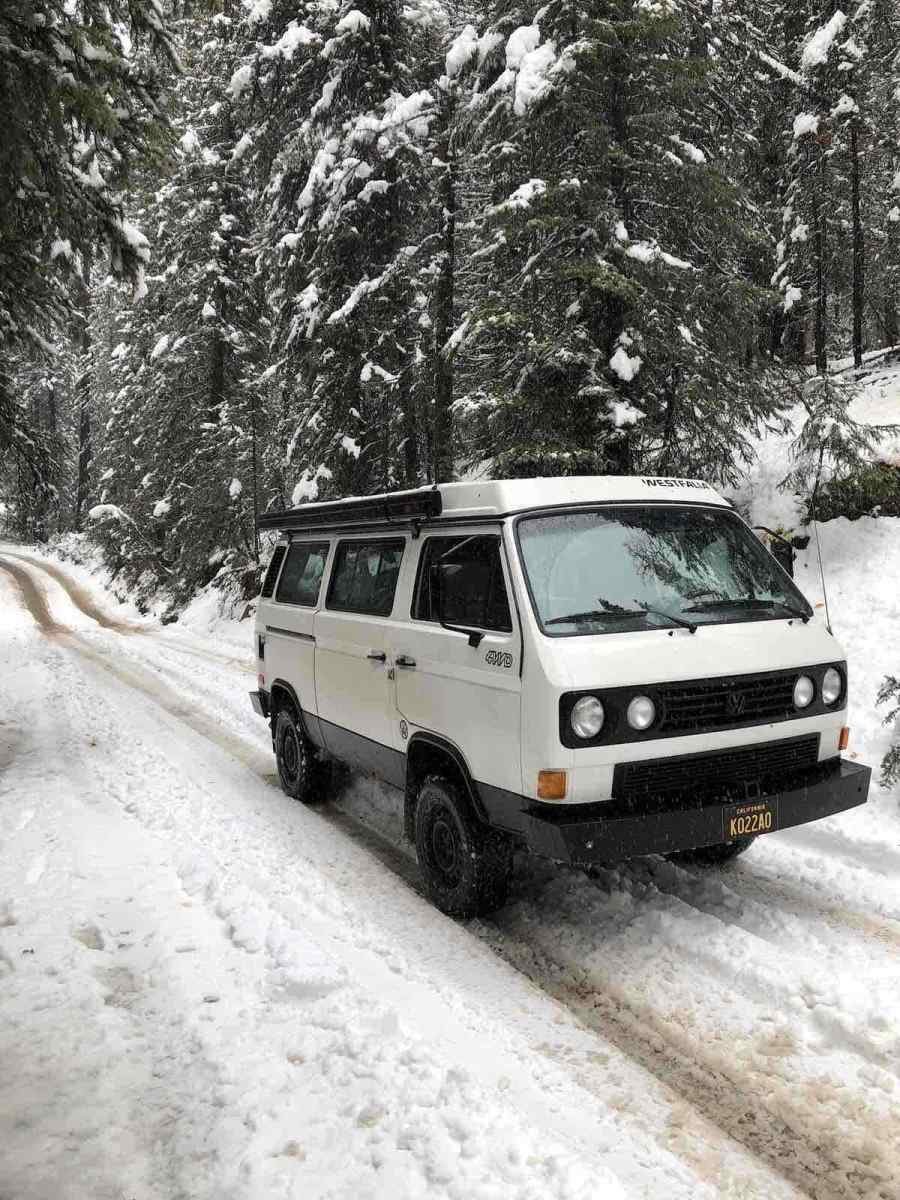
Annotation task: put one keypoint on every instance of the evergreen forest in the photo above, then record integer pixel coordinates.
(258, 252)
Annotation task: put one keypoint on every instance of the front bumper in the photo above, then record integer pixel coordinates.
(610, 833)
(260, 702)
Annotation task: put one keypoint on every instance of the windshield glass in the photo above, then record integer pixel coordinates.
(616, 570)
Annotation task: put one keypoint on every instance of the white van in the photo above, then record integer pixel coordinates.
(588, 668)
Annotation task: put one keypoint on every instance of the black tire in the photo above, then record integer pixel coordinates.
(300, 773)
(465, 865)
(713, 856)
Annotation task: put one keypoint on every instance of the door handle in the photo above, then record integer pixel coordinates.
(403, 660)
(377, 656)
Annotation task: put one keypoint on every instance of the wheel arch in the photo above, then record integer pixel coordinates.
(281, 690)
(429, 754)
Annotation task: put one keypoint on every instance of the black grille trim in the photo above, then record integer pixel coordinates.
(694, 780)
(275, 562)
(692, 706)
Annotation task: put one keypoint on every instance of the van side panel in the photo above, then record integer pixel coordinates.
(353, 685)
(290, 644)
(471, 696)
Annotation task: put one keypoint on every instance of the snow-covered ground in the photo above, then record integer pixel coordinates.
(210, 992)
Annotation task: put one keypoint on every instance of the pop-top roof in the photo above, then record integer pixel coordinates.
(492, 498)
(495, 497)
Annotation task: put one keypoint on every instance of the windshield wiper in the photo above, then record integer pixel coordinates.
(749, 602)
(660, 612)
(595, 614)
(617, 613)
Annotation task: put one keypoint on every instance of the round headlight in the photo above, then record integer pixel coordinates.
(832, 685)
(641, 712)
(804, 692)
(587, 717)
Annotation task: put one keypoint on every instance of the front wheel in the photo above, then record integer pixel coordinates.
(713, 856)
(465, 866)
(300, 773)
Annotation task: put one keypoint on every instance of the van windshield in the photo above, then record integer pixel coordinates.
(618, 570)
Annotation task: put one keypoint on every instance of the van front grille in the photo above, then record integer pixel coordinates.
(726, 703)
(720, 776)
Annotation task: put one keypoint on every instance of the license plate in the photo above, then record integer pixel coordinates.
(750, 818)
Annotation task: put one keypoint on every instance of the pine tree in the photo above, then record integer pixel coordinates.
(610, 252)
(81, 97)
(344, 332)
(187, 491)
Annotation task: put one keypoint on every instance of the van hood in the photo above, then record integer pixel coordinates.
(664, 656)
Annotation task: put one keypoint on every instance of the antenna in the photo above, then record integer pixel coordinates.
(813, 512)
(822, 575)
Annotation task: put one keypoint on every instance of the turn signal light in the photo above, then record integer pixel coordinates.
(845, 738)
(552, 785)
(261, 681)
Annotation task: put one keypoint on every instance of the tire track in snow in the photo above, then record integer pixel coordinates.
(80, 596)
(774, 1118)
(36, 603)
(717, 1085)
(758, 905)
(88, 607)
(785, 893)
(876, 857)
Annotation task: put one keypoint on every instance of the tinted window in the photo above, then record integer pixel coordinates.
(302, 575)
(364, 577)
(275, 562)
(474, 587)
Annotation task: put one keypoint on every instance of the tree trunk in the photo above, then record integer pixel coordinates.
(444, 301)
(891, 274)
(83, 388)
(858, 248)
(254, 472)
(406, 399)
(820, 244)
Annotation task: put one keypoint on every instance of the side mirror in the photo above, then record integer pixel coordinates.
(783, 549)
(438, 578)
(783, 553)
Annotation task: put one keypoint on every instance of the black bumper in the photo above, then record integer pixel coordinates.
(260, 702)
(593, 834)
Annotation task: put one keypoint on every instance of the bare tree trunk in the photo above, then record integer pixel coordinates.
(83, 389)
(859, 261)
(444, 301)
(891, 274)
(254, 472)
(820, 244)
(407, 404)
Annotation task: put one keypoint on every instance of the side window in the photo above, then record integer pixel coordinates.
(275, 562)
(475, 590)
(302, 575)
(364, 577)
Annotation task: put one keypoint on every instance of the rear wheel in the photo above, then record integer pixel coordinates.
(465, 866)
(713, 856)
(301, 774)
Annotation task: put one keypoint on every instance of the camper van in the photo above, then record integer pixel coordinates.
(588, 669)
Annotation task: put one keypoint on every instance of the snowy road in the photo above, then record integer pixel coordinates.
(209, 991)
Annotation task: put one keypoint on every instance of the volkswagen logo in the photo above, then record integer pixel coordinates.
(734, 703)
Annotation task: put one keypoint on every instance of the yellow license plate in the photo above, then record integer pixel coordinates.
(750, 818)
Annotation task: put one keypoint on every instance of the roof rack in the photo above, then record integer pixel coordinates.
(419, 505)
